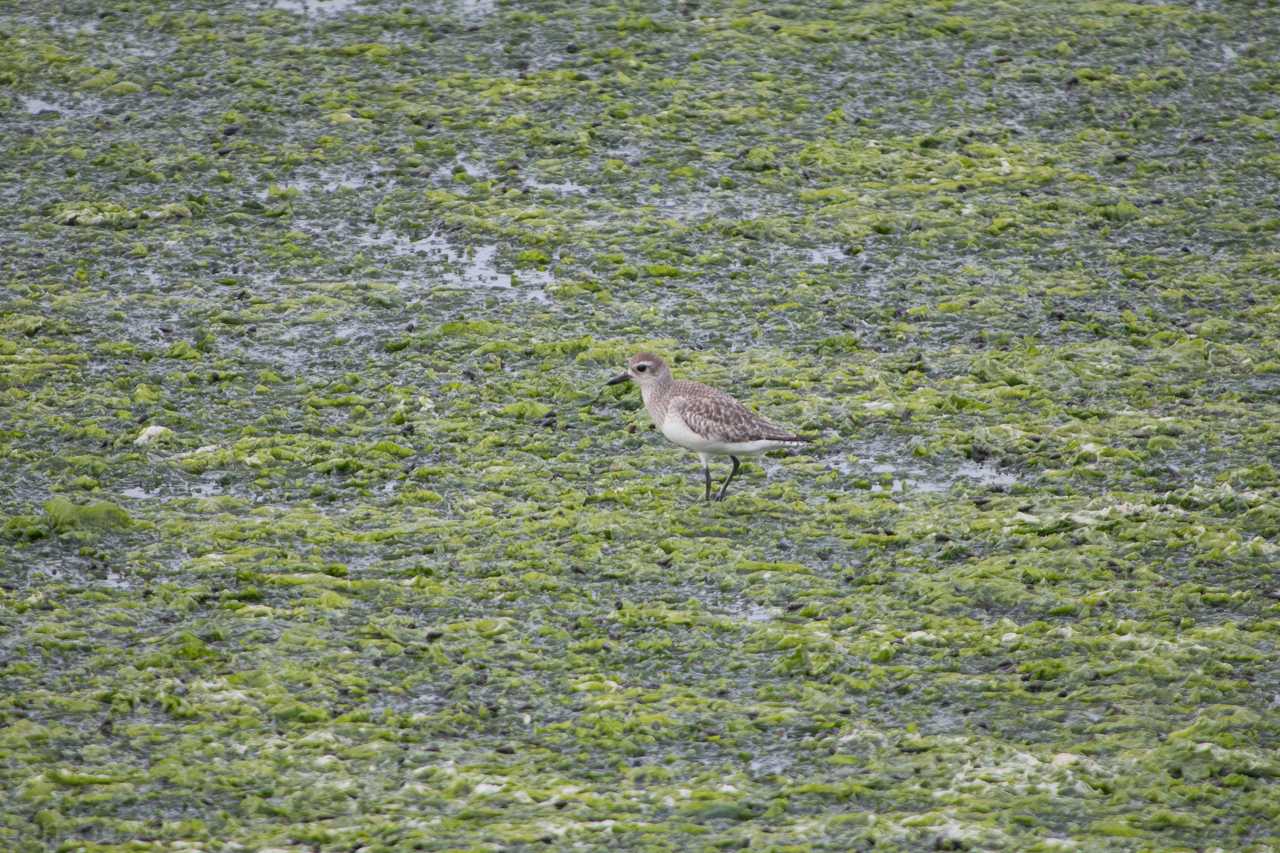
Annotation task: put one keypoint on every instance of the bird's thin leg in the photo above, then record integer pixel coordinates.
(706, 475)
(729, 479)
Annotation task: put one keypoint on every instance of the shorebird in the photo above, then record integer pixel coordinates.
(701, 418)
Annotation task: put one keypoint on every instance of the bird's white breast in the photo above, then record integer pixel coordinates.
(678, 432)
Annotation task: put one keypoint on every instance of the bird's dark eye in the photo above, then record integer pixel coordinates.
(641, 368)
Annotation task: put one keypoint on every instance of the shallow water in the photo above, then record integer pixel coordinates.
(403, 572)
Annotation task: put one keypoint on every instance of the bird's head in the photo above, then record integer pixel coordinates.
(645, 369)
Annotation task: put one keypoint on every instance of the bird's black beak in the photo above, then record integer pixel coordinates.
(619, 378)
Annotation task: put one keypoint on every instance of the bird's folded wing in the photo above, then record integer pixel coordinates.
(722, 419)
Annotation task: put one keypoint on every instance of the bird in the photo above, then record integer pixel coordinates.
(703, 419)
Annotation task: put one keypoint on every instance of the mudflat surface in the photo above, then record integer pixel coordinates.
(319, 532)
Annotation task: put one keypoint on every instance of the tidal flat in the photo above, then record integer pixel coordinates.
(319, 532)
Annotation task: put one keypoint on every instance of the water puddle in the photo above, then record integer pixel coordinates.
(687, 209)
(469, 268)
(444, 174)
(920, 479)
(333, 180)
(205, 488)
(824, 255)
(753, 613)
(85, 105)
(388, 242)
(564, 188)
(114, 580)
(986, 474)
(316, 8)
(76, 26)
(770, 765)
(36, 106)
(479, 268)
(474, 9)
(917, 482)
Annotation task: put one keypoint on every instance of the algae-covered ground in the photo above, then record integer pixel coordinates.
(318, 530)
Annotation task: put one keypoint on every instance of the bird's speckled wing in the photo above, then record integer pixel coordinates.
(715, 415)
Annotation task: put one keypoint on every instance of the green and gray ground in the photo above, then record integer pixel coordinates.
(318, 532)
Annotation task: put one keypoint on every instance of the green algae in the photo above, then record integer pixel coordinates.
(110, 213)
(392, 570)
(63, 515)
